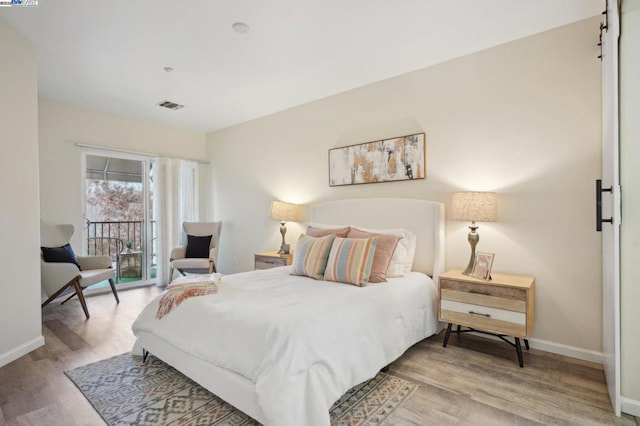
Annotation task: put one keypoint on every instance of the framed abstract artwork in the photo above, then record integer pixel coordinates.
(388, 160)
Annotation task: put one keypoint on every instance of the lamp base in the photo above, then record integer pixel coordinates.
(284, 251)
(284, 248)
(473, 239)
(469, 269)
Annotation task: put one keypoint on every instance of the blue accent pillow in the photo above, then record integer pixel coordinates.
(62, 254)
(198, 247)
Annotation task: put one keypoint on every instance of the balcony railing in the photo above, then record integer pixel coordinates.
(115, 238)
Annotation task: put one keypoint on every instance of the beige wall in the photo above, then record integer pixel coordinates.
(20, 315)
(630, 182)
(62, 125)
(522, 119)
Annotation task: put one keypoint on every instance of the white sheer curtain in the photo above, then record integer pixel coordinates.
(175, 201)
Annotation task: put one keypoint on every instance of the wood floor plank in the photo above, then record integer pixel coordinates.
(473, 381)
(541, 392)
(49, 415)
(73, 341)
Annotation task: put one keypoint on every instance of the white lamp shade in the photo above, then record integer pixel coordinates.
(284, 212)
(474, 206)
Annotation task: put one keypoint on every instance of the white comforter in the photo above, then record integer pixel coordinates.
(303, 342)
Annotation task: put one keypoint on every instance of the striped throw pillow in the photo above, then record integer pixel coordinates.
(310, 257)
(350, 260)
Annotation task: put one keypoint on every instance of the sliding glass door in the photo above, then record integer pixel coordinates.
(118, 206)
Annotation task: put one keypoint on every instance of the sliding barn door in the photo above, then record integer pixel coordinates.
(609, 193)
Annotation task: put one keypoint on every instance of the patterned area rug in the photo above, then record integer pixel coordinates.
(127, 392)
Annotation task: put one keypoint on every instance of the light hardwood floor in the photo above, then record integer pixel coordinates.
(472, 381)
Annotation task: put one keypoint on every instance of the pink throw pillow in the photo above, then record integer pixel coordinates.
(384, 252)
(313, 231)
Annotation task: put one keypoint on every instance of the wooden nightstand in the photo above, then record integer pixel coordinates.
(271, 259)
(503, 306)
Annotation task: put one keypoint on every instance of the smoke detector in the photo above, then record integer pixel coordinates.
(170, 105)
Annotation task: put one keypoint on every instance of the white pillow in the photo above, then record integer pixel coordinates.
(402, 259)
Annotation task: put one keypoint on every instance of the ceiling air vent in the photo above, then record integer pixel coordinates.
(170, 105)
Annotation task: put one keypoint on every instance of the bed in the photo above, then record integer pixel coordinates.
(284, 348)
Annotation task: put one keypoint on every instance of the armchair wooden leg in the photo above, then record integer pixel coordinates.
(59, 292)
(113, 289)
(46, 302)
(170, 273)
(67, 299)
(212, 268)
(76, 285)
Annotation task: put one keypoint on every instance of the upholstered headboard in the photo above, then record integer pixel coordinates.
(424, 218)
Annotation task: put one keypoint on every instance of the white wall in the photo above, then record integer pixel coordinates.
(522, 119)
(630, 182)
(61, 175)
(20, 314)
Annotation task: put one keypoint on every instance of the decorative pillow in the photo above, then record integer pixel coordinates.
(350, 260)
(314, 231)
(310, 257)
(198, 247)
(62, 254)
(384, 251)
(402, 259)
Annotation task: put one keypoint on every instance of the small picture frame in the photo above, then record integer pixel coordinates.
(482, 265)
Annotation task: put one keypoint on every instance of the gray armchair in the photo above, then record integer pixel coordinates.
(58, 277)
(178, 258)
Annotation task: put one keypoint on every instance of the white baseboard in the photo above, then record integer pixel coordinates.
(630, 406)
(21, 350)
(566, 350)
(558, 349)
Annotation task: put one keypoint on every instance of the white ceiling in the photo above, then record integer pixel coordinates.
(110, 55)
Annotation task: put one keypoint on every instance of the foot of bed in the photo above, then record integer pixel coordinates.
(145, 354)
(385, 368)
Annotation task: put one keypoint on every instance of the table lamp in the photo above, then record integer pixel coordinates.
(474, 207)
(284, 212)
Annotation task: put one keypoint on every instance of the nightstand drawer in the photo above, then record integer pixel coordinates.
(269, 263)
(271, 260)
(484, 289)
(484, 299)
(476, 311)
(480, 322)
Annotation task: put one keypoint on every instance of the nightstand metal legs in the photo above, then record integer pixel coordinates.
(519, 352)
(503, 337)
(446, 336)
